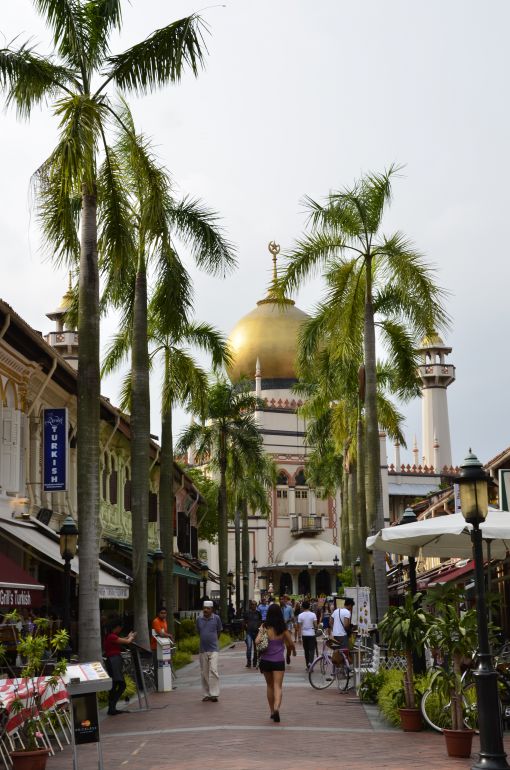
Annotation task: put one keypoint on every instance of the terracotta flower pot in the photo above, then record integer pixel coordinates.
(458, 742)
(410, 720)
(29, 760)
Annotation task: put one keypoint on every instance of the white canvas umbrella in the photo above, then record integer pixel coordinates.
(444, 536)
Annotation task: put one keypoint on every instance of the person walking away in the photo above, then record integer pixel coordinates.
(209, 629)
(308, 622)
(252, 621)
(297, 627)
(340, 622)
(272, 659)
(112, 650)
(263, 607)
(159, 628)
(327, 611)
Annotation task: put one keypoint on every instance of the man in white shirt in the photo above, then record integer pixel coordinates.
(308, 622)
(340, 622)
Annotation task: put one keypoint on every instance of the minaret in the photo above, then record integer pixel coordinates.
(435, 376)
(63, 339)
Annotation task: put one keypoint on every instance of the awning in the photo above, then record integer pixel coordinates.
(187, 573)
(17, 587)
(33, 536)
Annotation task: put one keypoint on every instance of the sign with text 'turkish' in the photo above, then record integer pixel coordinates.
(55, 450)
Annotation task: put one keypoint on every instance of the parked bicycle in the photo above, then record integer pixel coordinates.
(332, 665)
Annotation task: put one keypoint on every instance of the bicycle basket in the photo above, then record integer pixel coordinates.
(337, 658)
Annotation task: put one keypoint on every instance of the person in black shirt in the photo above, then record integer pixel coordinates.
(252, 621)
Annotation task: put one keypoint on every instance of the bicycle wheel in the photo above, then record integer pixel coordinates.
(321, 673)
(435, 709)
(470, 706)
(343, 674)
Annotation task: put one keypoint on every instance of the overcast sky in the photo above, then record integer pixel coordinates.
(300, 97)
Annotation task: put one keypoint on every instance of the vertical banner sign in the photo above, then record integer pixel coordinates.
(504, 489)
(55, 450)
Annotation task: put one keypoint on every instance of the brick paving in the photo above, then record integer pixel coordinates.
(180, 732)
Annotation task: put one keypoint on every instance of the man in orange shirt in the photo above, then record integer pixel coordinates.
(159, 628)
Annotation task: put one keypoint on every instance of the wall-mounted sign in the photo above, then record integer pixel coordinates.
(55, 450)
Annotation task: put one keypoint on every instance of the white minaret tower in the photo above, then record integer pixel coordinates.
(64, 339)
(435, 376)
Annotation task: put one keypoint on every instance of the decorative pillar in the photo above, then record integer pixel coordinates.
(396, 455)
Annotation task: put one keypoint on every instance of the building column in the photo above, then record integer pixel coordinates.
(291, 499)
(312, 500)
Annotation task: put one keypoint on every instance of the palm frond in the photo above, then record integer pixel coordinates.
(101, 17)
(117, 351)
(307, 258)
(161, 58)
(198, 228)
(31, 79)
(67, 20)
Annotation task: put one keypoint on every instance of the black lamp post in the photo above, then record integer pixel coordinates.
(230, 587)
(158, 560)
(409, 517)
(204, 569)
(336, 562)
(474, 501)
(357, 570)
(68, 545)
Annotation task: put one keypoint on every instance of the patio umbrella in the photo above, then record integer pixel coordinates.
(444, 536)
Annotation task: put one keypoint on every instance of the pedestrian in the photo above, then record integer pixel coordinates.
(272, 659)
(288, 613)
(308, 623)
(297, 627)
(327, 611)
(263, 607)
(252, 620)
(112, 650)
(159, 628)
(209, 629)
(340, 622)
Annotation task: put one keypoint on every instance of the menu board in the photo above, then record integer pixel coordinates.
(85, 672)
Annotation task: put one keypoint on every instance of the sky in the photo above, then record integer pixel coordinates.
(301, 97)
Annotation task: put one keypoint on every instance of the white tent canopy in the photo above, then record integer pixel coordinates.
(443, 536)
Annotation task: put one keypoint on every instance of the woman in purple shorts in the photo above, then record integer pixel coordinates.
(272, 660)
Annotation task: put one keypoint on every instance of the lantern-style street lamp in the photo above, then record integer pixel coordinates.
(204, 569)
(409, 517)
(357, 570)
(68, 541)
(474, 502)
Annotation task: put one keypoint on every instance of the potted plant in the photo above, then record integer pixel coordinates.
(454, 634)
(404, 628)
(25, 703)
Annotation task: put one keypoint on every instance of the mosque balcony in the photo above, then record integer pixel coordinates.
(301, 524)
(436, 374)
(62, 339)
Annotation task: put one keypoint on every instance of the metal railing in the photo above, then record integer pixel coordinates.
(301, 524)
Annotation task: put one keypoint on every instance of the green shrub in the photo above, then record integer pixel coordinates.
(225, 640)
(370, 685)
(190, 644)
(102, 697)
(180, 659)
(185, 628)
(391, 696)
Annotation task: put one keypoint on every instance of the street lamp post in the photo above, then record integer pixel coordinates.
(474, 503)
(357, 570)
(336, 562)
(409, 517)
(68, 544)
(158, 560)
(204, 569)
(230, 587)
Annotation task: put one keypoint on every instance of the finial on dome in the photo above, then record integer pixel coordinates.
(274, 249)
(257, 368)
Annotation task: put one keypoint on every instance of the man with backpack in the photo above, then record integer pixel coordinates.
(340, 622)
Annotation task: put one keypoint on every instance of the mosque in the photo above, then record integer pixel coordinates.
(296, 549)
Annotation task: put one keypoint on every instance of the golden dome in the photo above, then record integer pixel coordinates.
(270, 333)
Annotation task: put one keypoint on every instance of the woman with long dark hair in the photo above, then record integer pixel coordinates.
(272, 659)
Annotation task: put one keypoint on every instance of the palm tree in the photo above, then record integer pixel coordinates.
(156, 219)
(346, 238)
(77, 79)
(228, 427)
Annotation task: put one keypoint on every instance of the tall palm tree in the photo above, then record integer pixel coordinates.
(228, 427)
(77, 79)
(157, 218)
(346, 238)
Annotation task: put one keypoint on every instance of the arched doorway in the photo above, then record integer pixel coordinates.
(285, 583)
(323, 583)
(304, 582)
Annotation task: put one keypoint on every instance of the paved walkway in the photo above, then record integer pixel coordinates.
(180, 732)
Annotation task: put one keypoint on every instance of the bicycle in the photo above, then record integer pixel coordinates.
(435, 707)
(332, 665)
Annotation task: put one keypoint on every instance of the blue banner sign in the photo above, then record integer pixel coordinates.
(55, 453)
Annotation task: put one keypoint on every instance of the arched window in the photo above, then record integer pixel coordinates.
(113, 483)
(300, 478)
(301, 493)
(104, 477)
(127, 492)
(282, 494)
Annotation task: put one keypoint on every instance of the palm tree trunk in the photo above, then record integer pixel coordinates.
(88, 433)
(140, 438)
(167, 500)
(238, 557)
(353, 513)
(223, 528)
(374, 487)
(344, 524)
(245, 554)
(366, 571)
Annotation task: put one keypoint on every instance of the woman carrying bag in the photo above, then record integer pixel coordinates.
(271, 642)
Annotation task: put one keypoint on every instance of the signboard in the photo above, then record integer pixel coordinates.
(361, 610)
(504, 489)
(20, 597)
(85, 718)
(55, 450)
